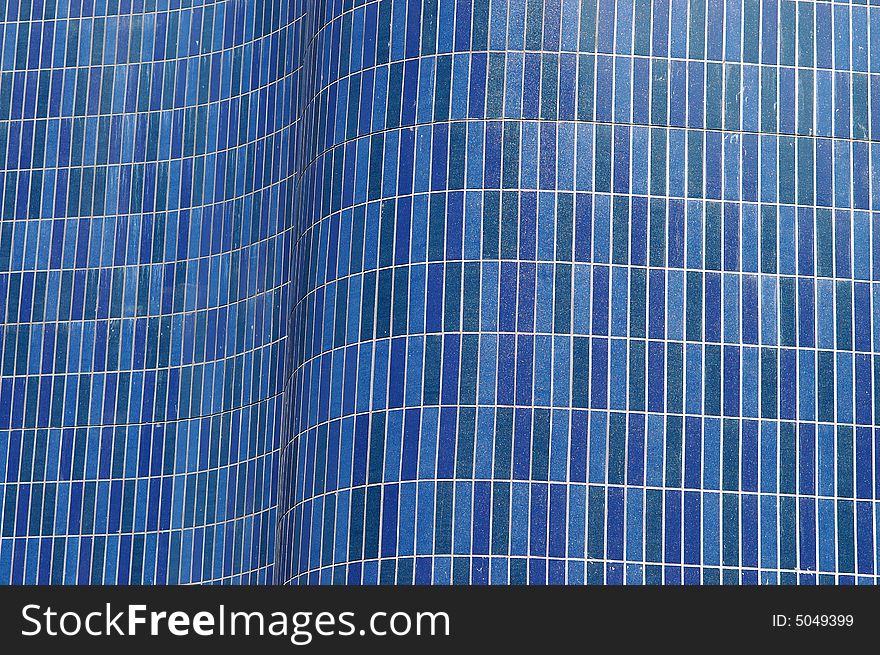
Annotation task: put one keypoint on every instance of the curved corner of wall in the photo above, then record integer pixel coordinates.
(144, 269)
(583, 295)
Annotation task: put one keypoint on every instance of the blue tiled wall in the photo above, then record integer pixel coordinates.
(586, 292)
(433, 291)
(144, 265)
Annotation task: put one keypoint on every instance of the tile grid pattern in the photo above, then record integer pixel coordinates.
(145, 187)
(581, 291)
(587, 292)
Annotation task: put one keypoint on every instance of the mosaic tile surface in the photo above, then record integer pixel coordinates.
(144, 281)
(440, 291)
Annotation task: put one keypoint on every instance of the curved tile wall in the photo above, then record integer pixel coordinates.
(585, 293)
(144, 269)
(439, 291)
